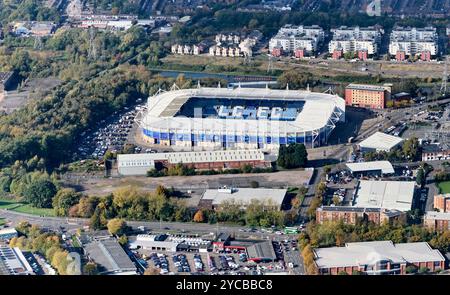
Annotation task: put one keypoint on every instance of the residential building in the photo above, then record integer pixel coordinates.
(139, 164)
(13, 262)
(367, 96)
(442, 202)
(378, 168)
(291, 38)
(413, 41)
(353, 215)
(380, 142)
(363, 41)
(435, 152)
(437, 221)
(392, 195)
(8, 233)
(214, 198)
(378, 257)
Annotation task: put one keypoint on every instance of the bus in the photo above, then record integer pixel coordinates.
(290, 230)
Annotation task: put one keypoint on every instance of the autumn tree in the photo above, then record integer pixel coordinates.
(198, 217)
(116, 226)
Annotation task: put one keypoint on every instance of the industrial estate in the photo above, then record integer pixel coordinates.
(224, 138)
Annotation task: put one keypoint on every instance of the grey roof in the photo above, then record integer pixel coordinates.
(263, 250)
(368, 253)
(381, 141)
(110, 255)
(384, 166)
(433, 215)
(348, 209)
(245, 195)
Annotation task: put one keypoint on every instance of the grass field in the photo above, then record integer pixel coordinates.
(2, 221)
(24, 208)
(444, 187)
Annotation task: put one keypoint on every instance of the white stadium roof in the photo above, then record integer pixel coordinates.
(385, 194)
(367, 253)
(380, 141)
(315, 114)
(245, 195)
(385, 167)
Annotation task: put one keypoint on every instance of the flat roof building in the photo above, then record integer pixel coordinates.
(139, 164)
(291, 38)
(110, 256)
(396, 195)
(213, 198)
(13, 262)
(262, 251)
(8, 233)
(354, 39)
(373, 167)
(378, 257)
(441, 202)
(379, 142)
(353, 215)
(367, 96)
(438, 221)
(413, 41)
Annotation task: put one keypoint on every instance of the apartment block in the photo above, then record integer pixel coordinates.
(367, 96)
(290, 38)
(356, 39)
(414, 41)
(437, 221)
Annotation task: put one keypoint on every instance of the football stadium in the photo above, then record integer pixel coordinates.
(240, 118)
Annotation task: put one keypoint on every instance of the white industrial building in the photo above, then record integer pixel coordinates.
(377, 257)
(291, 38)
(380, 142)
(378, 167)
(391, 195)
(13, 262)
(215, 197)
(354, 39)
(413, 41)
(240, 118)
(139, 164)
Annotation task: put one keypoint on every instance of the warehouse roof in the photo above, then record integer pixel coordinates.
(385, 194)
(385, 167)
(381, 141)
(8, 231)
(110, 255)
(14, 263)
(315, 114)
(245, 195)
(367, 253)
(263, 251)
(136, 160)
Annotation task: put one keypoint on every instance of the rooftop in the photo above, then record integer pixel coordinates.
(110, 256)
(368, 253)
(263, 250)
(316, 112)
(434, 215)
(385, 167)
(245, 195)
(380, 141)
(385, 194)
(366, 87)
(13, 262)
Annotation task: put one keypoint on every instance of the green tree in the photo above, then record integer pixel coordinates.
(116, 226)
(40, 193)
(90, 269)
(64, 200)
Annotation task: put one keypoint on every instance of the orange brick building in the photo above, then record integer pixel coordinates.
(442, 202)
(437, 221)
(367, 96)
(352, 215)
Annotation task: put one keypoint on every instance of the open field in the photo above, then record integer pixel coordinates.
(444, 187)
(24, 208)
(318, 67)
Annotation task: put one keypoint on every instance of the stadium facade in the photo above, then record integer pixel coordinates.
(240, 118)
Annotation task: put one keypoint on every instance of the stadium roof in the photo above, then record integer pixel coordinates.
(110, 255)
(245, 195)
(385, 194)
(367, 253)
(384, 166)
(381, 142)
(315, 114)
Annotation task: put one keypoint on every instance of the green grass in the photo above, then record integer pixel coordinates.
(24, 208)
(444, 187)
(2, 221)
